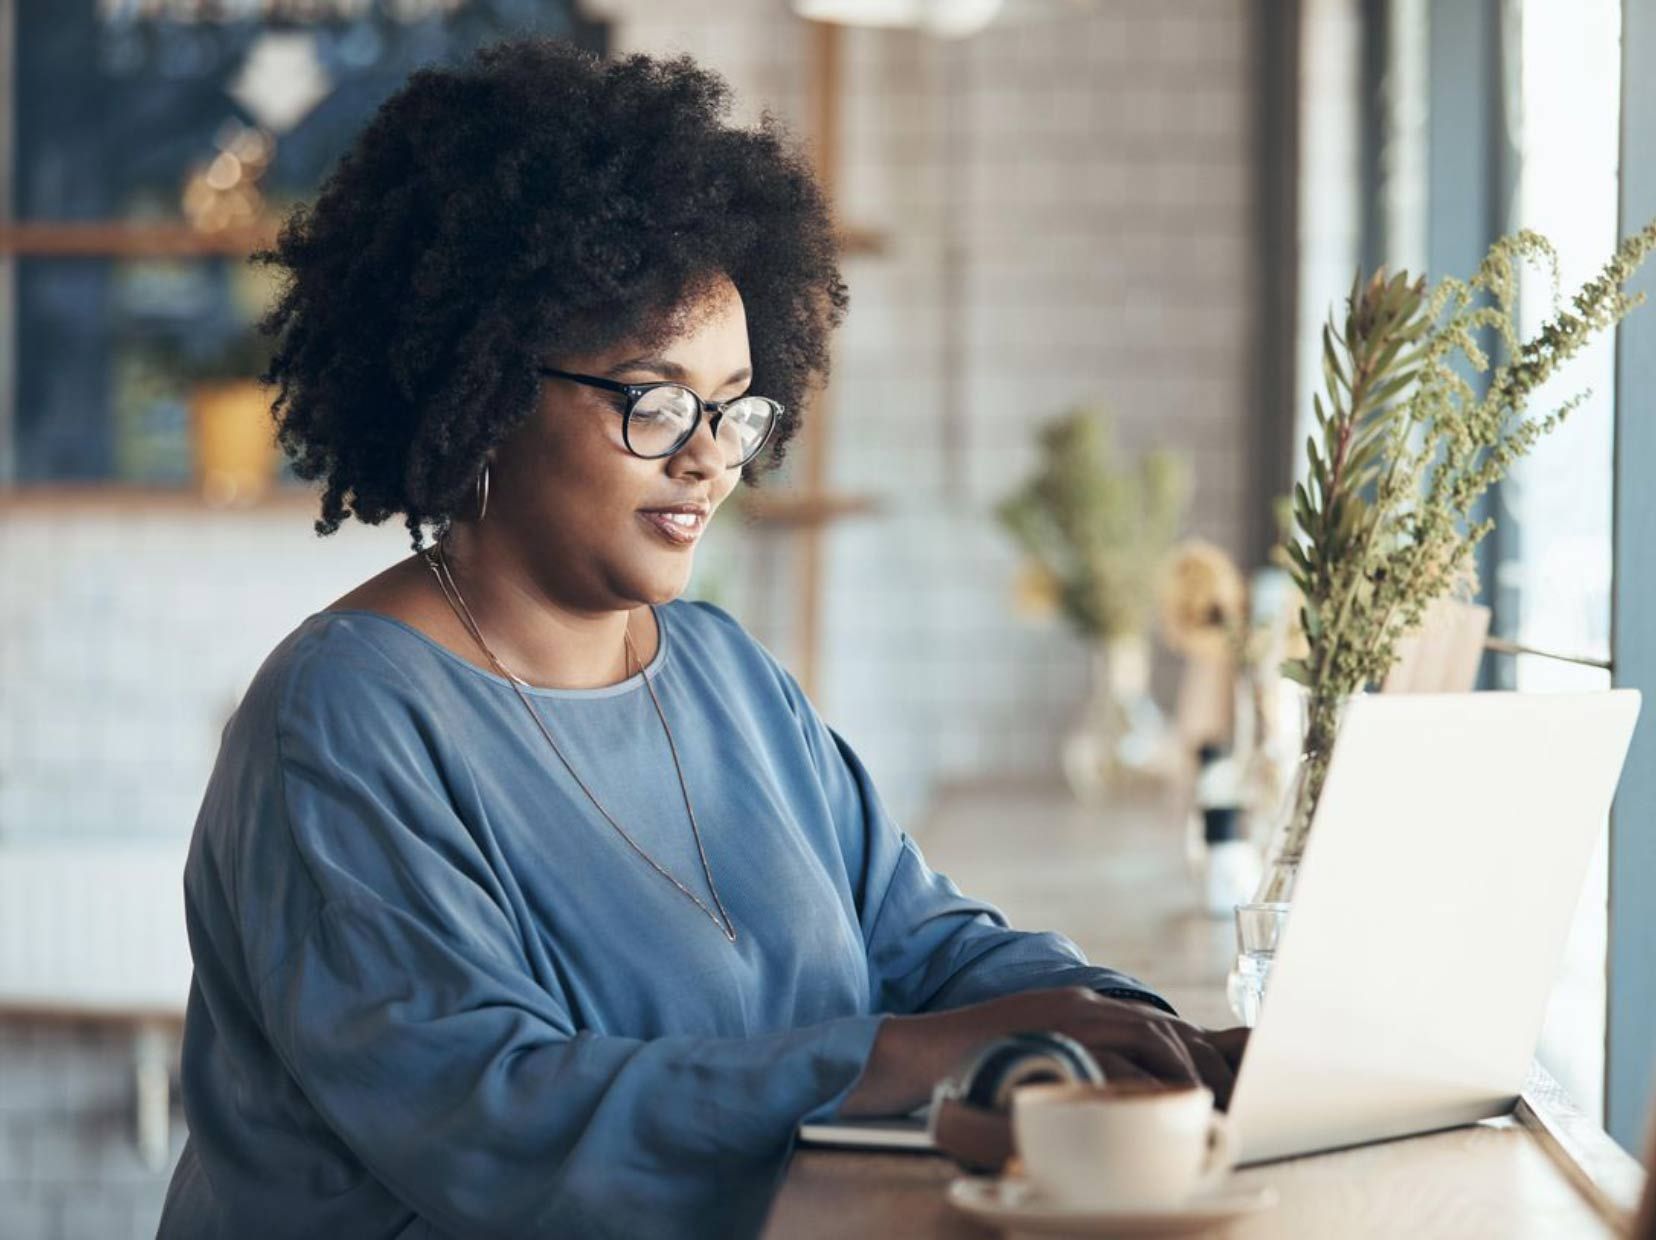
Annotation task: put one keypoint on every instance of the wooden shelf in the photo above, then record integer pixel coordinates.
(804, 509)
(114, 239)
(105, 1016)
(133, 497)
(117, 239)
(861, 242)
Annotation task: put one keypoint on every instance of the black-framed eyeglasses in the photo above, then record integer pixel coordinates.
(660, 418)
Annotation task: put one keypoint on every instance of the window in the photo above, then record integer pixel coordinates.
(1554, 568)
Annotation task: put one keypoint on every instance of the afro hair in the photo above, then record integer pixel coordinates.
(533, 201)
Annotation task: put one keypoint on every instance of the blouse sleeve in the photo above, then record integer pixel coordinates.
(929, 946)
(406, 1010)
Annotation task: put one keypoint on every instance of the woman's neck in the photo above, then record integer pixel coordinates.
(539, 638)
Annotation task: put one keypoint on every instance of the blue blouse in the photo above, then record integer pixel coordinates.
(436, 993)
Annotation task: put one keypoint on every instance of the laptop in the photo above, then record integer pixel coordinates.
(1450, 846)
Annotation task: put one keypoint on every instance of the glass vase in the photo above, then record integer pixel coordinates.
(1288, 836)
(1291, 829)
(1119, 729)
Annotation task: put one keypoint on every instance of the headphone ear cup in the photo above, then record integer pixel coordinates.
(971, 1117)
(1023, 1059)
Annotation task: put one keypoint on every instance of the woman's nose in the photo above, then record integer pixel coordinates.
(702, 449)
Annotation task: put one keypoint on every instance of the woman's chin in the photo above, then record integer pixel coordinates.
(664, 584)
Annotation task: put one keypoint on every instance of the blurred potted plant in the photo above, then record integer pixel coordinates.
(231, 429)
(235, 457)
(1402, 450)
(1095, 531)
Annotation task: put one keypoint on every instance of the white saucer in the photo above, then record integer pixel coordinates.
(1010, 1204)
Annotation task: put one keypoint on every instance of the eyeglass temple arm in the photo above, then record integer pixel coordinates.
(609, 385)
(712, 408)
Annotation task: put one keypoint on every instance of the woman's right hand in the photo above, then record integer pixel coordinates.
(1130, 1040)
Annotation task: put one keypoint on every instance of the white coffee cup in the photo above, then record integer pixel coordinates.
(1128, 1145)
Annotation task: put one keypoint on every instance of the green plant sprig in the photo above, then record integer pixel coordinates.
(1405, 445)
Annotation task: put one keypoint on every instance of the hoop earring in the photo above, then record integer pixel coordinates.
(483, 490)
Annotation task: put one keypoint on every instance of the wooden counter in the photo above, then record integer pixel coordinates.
(1114, 882)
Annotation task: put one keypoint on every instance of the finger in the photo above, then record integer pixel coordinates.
(1136, 1007)
(1217, 1074)
(1231, 1043)
(1159, 1049)
(1120, 1068)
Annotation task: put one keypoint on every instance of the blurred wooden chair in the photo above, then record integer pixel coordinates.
(1443, 654)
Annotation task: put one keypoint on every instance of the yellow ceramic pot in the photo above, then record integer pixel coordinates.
(236, 456)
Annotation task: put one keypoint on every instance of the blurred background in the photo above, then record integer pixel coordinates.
(1101, 232)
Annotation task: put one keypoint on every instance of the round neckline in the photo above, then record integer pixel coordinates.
(635, 681)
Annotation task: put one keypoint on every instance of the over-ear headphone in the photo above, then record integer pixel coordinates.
(971, 1113)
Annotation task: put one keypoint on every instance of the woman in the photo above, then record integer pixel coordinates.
(526, 899)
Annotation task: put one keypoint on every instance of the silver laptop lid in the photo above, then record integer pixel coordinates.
(1445, 863)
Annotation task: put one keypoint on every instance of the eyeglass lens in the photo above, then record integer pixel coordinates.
(662, 420)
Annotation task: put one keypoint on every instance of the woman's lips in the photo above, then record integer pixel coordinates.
(679, 533)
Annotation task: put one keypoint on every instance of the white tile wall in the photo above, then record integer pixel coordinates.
(126, 640)
(95, 929)
(1094, 172)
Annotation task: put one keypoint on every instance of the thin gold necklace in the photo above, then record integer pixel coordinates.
(437, 560)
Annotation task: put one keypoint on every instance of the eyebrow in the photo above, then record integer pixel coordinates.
(670, 369)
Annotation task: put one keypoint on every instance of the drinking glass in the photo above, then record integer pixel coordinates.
(1258, 930)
